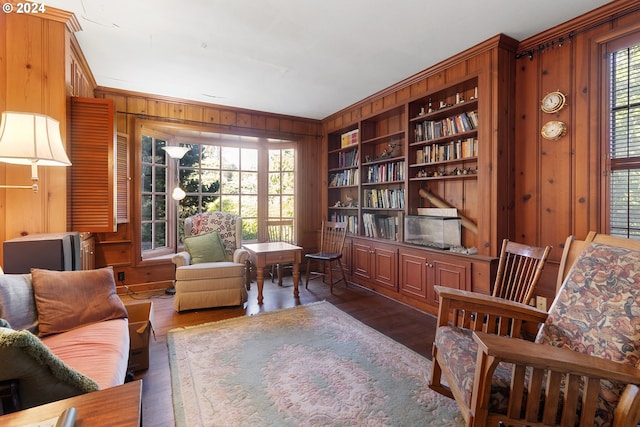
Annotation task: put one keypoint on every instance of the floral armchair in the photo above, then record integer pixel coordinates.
(581, 369)
(211, 271)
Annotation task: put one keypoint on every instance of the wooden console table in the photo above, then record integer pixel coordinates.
(116, 406)
(264, 254)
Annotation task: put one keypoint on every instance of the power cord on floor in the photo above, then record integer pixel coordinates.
(136, 295)
(131, 294)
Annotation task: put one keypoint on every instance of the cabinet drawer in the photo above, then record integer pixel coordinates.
(279, 257)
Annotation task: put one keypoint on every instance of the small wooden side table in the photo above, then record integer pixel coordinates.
(265, 254)
(115, 406)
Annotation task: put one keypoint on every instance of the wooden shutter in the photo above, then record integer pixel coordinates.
(122, 179)
(93, 174)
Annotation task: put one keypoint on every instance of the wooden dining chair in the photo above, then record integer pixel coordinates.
(519, 271)
(279, 230)
(331, 244)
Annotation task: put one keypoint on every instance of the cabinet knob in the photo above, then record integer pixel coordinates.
(429, 265)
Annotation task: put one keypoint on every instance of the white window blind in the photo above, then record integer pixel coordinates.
(624, 142)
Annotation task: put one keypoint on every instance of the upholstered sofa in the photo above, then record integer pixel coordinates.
(211, 270)
(65, 333)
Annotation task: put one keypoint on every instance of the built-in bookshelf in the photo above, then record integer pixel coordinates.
(367, 175)
(344, 177)
(382, 192)
(378, 166)
(444, 129)
(441, 139)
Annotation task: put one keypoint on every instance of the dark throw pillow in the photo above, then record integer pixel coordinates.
(69, 299)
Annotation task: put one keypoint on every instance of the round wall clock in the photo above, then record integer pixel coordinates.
(553, 102)
(554, 130)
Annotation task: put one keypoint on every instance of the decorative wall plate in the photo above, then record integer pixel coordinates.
(553, 102)
(554, 130)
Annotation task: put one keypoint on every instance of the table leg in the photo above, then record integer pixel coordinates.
(260, 280)
(296, 279)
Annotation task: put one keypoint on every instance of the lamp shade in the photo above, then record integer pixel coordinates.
(178, 194)
(176, 152)
(28, 139)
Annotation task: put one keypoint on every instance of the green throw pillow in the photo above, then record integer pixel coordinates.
(205, 247)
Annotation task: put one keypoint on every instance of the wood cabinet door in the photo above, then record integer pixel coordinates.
(449, 272)
(362, 260)
(385, 263)
(413, 274)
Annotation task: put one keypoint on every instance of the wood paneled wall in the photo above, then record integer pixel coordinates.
(559, 183)
(33, 77)
(121, 249)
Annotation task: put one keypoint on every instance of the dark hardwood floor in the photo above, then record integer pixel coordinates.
(406, 325)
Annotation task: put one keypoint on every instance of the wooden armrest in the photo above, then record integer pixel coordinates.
(474, 301)
(548, 357)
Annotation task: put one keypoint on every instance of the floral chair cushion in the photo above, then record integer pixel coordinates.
(459, 350)
(222, 222)
(595, 312)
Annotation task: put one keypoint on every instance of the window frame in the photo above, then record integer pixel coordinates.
(609, 165)
(171, 213)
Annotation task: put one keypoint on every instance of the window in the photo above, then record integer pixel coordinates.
(248, 176)
(155, 226)
(222, 178)
(624, 141)
(281, 183)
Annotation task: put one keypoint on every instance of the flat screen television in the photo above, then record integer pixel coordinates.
(49, 251)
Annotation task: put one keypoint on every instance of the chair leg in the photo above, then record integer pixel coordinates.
(324, 269)
(306, 285)
(344, 276)
(330, 278)
(279, 269)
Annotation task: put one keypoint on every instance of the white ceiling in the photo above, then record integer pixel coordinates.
(307, 58)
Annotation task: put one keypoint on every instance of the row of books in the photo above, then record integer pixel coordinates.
(345, 177)
(380, 226)
(385, 198)
(432, 129)
(386, 172)
(453, 150)
(348, 158)
(349, 138)
(351, 220)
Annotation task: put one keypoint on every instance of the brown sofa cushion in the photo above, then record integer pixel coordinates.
(68, 299)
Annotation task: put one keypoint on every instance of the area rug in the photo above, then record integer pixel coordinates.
(311, 365)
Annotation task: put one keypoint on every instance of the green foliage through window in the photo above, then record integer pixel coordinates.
(222, 173)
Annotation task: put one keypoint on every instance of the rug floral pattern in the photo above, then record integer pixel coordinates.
(311, 365)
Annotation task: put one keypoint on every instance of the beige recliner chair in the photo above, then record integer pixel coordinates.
(211, 283)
